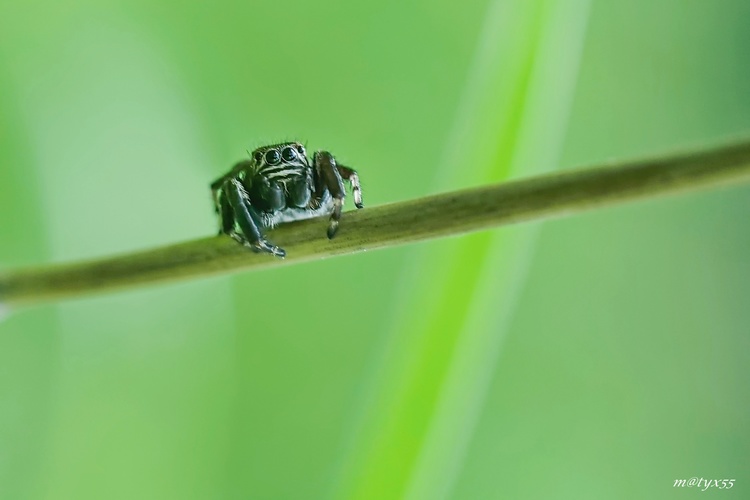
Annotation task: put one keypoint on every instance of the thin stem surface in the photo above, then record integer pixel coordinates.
(441, 215)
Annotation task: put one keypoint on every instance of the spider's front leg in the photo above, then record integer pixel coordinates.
(331, 176)
(247, 218)
(223, 209)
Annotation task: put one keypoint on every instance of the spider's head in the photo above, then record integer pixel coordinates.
(285, 154)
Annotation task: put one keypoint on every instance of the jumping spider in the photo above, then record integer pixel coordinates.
(280, 184)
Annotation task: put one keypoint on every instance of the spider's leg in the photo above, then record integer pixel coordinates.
(351, 176)
(224, 209)
(325, 168)
(247, 218)
(221, 201)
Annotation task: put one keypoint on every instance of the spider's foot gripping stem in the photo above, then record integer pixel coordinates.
(260, 246)
(264, 246)
(333, 223)
(247, 219)
(331, 176)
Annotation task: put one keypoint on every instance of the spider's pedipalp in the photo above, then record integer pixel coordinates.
(351, 176)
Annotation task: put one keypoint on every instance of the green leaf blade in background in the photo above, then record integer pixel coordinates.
(417, 404)
(603, 371)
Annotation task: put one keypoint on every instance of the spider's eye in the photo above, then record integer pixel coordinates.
(257, 156)
(288, 154)
(272, 157)
(300, 149)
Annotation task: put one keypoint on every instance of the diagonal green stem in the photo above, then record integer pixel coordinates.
(441, 215)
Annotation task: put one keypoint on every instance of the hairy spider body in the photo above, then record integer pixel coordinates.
(280, 184)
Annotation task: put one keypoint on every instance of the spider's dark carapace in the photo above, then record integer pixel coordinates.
(280, 184)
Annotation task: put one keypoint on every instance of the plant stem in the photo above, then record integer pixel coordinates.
(446, 214)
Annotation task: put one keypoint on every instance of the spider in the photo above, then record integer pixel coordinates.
(280, 184)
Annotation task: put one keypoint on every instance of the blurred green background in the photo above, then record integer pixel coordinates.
(600, 356)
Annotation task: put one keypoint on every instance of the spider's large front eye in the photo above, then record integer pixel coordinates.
(272, 157)
(288, 154)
